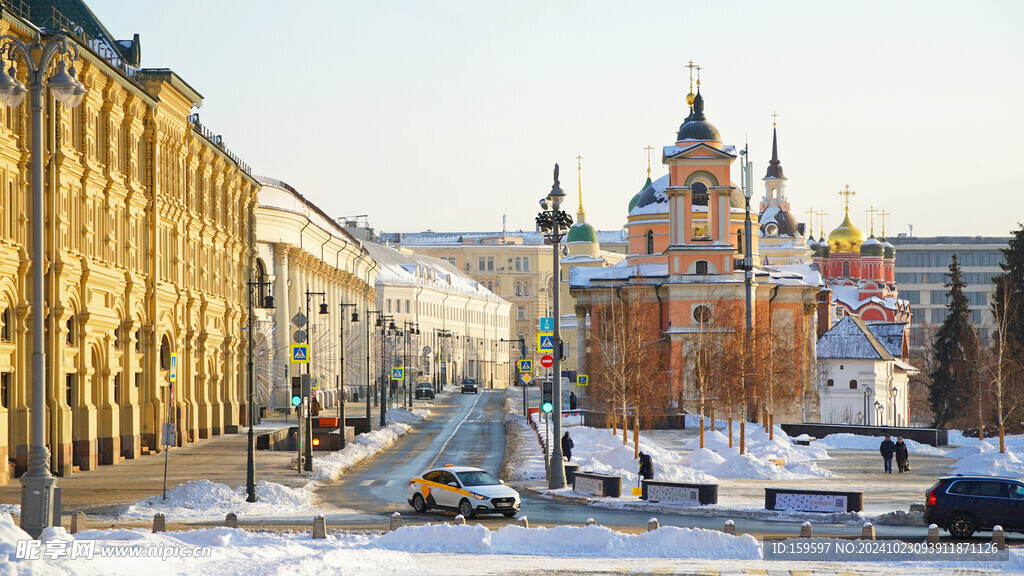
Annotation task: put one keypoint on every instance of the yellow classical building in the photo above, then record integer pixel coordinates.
(149, 242)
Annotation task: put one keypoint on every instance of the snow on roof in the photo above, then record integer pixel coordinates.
(890, 334)
(769, 214)
(659, 205)
(277, 194)
(791, 274)
(407, 268)
(530, 237)
(581, 277)
(849, 296)
(851, 338)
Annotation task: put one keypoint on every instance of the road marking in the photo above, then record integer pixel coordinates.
(389, 482)
(366, 482)
(454, 432)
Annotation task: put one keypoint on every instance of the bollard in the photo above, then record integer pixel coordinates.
(460, 520)
(730, 528)
(523, 521)
(231, 520)
(998, 538)
(867, 532)
(78, 522)
(319, 527)
(591, 522)
(933, 534)
(396, 522)
(159, 523)
(805, 530)
(653, 525)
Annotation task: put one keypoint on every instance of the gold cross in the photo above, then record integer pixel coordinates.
(821, 221)
(579, 178)
(649, 150)
(698, 77)
(810, 213)
(883, 214)
(691, 66)
(847, 192)
(774, 117)
(871, 211)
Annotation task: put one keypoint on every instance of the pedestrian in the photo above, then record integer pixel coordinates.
(646, 467)
(314, 406)
(572, 400)
(887, 448)
(567, 447)
(901, 456)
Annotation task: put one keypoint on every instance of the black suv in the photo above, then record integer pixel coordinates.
(469, 385)
(425, 390)
(965, 504)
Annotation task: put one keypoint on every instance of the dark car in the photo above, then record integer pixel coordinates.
(425, 390)
(965, 504)
(469, 385)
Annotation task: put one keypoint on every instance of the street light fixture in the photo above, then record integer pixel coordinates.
(748, 276)
(553, 223)
(37, 484)
(892, 395)
(867, 399)
(878, 410)
(250, 463)
(308, 467)
(341, 376)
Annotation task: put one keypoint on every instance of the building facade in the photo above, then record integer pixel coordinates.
(149, 245)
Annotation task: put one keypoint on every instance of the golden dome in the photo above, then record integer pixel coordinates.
(689, 98)
(845, 238)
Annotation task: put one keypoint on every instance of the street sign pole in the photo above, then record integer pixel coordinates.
(168, 432)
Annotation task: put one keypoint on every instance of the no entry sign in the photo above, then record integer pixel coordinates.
(547, 360)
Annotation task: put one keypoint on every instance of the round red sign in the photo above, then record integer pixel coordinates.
(547, 360)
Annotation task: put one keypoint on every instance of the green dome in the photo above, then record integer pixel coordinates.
(636, 197)
(871, 247)
(890, 250)
(581, 232)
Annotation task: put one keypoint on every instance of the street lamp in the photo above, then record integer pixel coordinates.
(411, 329)
(878, 410)
(867, 398)
(748, 276)
(37, 484)
(553, 222)
(367, 393)
(443, 335)
(341, 377)
(250, 466)
(387, 326)
(309, 400)
(892, 395)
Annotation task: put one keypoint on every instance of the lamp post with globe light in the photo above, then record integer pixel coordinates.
(37, 494)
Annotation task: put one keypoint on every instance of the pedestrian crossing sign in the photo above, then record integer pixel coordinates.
(545, 342)
(526, 366)
(582, 380)
(398, 373)
(300, 353)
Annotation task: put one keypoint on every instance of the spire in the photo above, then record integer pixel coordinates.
(580, 214)
(775, 165)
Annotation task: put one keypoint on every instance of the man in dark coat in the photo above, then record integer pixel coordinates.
(888, 449)
(567, 447)
(901, 455)
(646, 467)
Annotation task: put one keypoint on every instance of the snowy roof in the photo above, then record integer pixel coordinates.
(530, 237)
(581, 277)
(851, 338)
(890, 334)
(407, 268)
(653, 199)
(277, 194)
(849, 296)
(792, 274)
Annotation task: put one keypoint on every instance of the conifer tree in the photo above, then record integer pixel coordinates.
(1008, 341)
(955, 350)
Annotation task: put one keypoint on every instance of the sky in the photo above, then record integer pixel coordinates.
(448, 115)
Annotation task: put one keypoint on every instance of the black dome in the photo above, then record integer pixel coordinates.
(784, 221)
(696, 127)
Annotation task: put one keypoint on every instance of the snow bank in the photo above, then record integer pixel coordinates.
(524, 457)
(846, 441)
(202, 499)
(571, 541)
(333, 465)
(991, 464)
(406, 416)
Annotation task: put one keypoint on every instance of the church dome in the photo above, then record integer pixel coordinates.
(889, 251)
(636, 197)
(846, 238)
(581, 232)
(775, 221)
(696, 127)
(871, 247)
(652, 200)
(824, 251)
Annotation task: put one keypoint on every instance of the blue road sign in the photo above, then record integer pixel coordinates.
(547, 324)
(398, 373)
(545, 343)
(526, 366)
(582, 380)
(300, 353)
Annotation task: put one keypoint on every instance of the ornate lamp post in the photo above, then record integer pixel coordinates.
(878, 410)
(892, 395)
(309, 401)
(867, 410)
(369, 395)
(553, 222)
(37, 484)
(267, 301)
(341, 377)
(387, 326)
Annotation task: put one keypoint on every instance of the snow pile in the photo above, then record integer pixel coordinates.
(202, 499)
(10, 509)
(846, 441)
(524, 457)
(991, 464)
(332, 466)
(713, 440)
(572, 541)
(973, 449)
(406, 416)
(749, 466)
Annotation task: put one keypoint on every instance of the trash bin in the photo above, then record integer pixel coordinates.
(570, 470)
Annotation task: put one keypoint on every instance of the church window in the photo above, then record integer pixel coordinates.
(846, 269)
(5, 325)
(700, 193)
(650, 241)
(853, 384)
(702, 267)
(830, 382)
(702, 314)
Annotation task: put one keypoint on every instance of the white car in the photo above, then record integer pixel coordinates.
(463, 489)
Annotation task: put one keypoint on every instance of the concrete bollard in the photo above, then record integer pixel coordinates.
(653, 524)
(319, 527)
(998, 538)
(933, 534)
(591, 522)
(159, 523)
(460, 520)
(231, 520)
(396, 522)
(78, 522)
(867, 532)
(730, 528)
(523, 521)
(805, 530)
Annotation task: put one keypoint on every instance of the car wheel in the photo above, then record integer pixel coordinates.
(466, 509)
(509, 513)
(962, 525)
(418, 504)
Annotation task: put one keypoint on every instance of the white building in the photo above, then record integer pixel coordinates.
(460, 323)
(862, 374)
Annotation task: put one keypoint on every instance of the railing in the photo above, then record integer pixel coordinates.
(218, 141)
(58, 22)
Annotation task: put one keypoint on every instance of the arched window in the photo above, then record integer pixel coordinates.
(650, 241)
(70, 338)
(261, 289)
(5, 325)
(853, 384)
(846, 269)
(519, 289)
(830, 382)
(699, 190)
(165, 353)
(702, 267)
(526, 288)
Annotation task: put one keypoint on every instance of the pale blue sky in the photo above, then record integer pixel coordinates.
(446, 115)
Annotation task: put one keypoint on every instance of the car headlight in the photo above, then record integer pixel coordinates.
(478, 496)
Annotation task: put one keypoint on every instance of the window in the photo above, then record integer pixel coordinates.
(702, 267)
(70, 338)
(521, 313)
(165, 354)
(846, 269)
(853, 384)
(522, 263)
(5, 325)
(5, 389)
(650, 241)
(406, 306)
(739, 241)
(702, 314)
(830, 383)
(485, 263)
(449, 259)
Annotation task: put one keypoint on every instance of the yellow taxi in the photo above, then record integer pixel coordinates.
(463, 489)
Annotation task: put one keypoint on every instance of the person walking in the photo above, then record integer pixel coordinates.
(567, 446)
(901, 456)
(572, 400)
(888, 449)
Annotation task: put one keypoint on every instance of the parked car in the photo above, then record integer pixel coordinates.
(965, 504)
(425, 390)
(469, 385)
(463, 489)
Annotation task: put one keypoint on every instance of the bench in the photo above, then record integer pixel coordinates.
(813, 500)
(679, 493)
(597, 484)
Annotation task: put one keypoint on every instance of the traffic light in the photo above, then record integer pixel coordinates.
(296, 390)
(547, 396)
